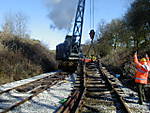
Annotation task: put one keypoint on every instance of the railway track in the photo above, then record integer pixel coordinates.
(16, 96)
(95, 92)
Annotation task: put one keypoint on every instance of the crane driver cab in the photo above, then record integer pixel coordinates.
(63, 49)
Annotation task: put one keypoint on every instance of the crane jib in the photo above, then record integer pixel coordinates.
(71, 45)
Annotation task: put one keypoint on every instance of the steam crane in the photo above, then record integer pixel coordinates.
(69, 52)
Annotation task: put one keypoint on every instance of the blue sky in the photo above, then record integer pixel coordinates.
(39, 23)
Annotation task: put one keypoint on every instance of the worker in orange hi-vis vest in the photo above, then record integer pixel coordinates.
(141, 76)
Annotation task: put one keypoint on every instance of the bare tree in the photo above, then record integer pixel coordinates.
(8, 25)
(20, 24)
(15, 24)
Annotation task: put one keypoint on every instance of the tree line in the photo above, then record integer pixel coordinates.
(132, 31)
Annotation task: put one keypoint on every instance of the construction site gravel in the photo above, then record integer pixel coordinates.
(46, 102)
(50, 100)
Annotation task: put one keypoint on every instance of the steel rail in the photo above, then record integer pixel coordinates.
(75, 102)
(36, 91)
(7, 90)
(72, 103)
(121, 99)
(29, 98)
(75, 99)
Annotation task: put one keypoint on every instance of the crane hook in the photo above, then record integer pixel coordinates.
(92, 33)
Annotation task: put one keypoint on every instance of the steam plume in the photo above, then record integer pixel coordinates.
(61, 12)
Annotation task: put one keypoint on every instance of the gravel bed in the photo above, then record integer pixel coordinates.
(49, 100)
(7, 99)
(131, 98)
(46, 102)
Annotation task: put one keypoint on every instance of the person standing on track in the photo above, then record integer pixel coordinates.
(141, 76)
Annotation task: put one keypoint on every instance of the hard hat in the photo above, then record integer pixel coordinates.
(143, 60)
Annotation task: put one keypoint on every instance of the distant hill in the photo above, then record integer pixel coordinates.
(22, 58)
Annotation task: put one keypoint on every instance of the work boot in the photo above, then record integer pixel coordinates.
(144, 98)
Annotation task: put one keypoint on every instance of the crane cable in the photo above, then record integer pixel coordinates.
(92, 32)
(92, 14)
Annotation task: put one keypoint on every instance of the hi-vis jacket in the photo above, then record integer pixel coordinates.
(141, 71)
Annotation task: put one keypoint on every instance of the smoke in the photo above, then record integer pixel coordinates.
(61, 13)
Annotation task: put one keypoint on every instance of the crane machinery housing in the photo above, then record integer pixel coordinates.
(69, 52)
